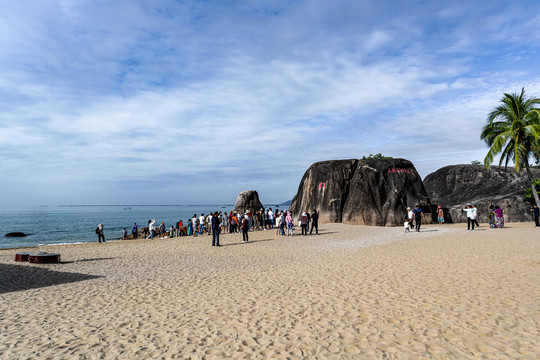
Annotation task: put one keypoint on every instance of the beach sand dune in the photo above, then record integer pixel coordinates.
(352, 292)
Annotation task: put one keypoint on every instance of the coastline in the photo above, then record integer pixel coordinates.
(353, 291)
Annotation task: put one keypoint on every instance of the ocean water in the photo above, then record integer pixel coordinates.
(53, 225)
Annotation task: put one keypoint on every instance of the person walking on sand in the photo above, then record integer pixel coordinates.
(245, 229)
(470, 217)
(135, 230)
(418, 217)
(536, 213)
(475, 214)
(151, 231)
(440, 215)
(99, 232)
(406, 225)
(215, 229)
(410, 216)
(314, 222)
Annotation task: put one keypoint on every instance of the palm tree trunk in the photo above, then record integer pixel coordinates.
(535, 193)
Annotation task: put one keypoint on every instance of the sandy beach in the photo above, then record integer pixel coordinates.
(352, 292)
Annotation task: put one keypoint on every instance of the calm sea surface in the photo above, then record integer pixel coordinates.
(75, 224)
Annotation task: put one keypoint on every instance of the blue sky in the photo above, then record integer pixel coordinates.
(191, 102)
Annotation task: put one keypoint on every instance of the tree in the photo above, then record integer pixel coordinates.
(378, 156)
(513, 130)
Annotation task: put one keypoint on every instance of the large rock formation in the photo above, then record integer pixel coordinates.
(455, 186)
(363, 192)
(247, 200)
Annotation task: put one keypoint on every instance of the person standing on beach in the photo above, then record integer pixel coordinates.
(491, 220)
(469, 210)
(124, 234)
(135, 230)
(99, 232)
(290, 224)
(245, 229)
(499, 217)
(314, 222)
(536, 214)
(418, 217)
(303, 223)
(151, 231)
(190, 227)
(440, 215)
(270, 219)
(215, 229)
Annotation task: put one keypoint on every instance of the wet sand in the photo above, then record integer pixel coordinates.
(352, 292)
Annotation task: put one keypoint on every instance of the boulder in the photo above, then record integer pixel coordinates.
(15, 234)
(456, 186)
(247, 200)
(361, 192)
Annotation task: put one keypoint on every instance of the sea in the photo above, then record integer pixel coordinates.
(71, 224)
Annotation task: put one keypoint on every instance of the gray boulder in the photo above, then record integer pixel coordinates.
(15, 234)
(361, 192)
(247, 200)
(456, 186)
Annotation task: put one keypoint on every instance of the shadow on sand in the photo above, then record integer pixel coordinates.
(24, 277)
(84, 260)
(250, 242)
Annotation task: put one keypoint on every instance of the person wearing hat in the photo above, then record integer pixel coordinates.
(99, 232)
(440, 215)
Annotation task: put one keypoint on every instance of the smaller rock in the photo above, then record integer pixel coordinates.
(16, 234)
(247, 200)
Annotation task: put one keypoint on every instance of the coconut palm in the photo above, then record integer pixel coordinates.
(513, 130)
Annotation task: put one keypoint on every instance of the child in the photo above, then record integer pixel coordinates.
(124, 234)
(406, 225)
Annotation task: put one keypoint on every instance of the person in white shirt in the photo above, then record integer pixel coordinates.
(201, 224)
(270, 219)
(410, 216)
(471, 217)
(151, 229)
(278, 224)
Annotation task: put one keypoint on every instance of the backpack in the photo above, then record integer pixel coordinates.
(97, 230)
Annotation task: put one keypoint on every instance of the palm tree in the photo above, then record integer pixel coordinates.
(513, 130)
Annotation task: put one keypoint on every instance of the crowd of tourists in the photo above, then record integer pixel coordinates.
(495, 217)
(221, 222)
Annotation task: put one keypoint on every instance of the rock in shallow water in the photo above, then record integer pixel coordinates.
(15, 234)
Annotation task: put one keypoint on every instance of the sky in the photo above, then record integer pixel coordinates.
(192, 102)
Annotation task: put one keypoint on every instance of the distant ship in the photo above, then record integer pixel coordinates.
(127, 208)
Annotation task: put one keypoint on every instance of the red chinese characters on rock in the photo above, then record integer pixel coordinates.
(322, 185)
(401, 171)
